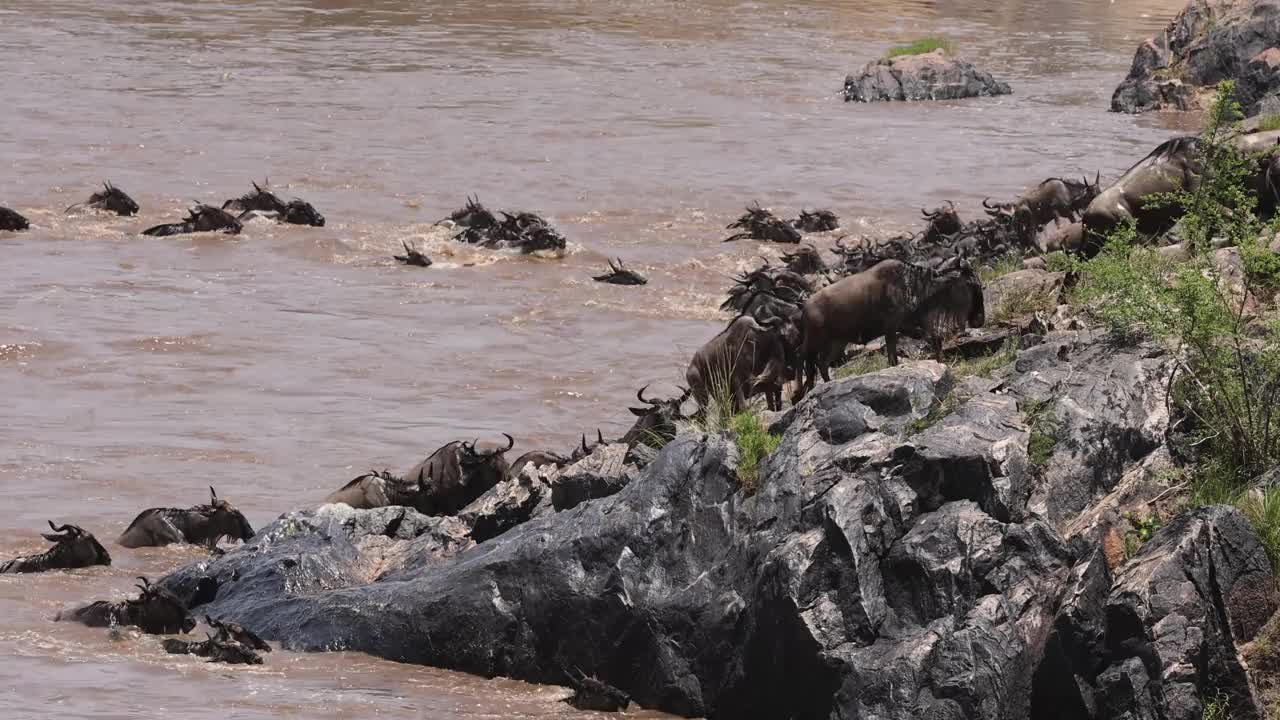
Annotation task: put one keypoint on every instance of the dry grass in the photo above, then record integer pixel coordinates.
(922, 46)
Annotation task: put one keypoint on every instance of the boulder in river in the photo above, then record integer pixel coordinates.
(927, 76)
(1207, 42)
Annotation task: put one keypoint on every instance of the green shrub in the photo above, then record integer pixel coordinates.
(1140, 531)
(754, 444)
(1217, 707)
(1268, 122)
(1262, 507)
(1059, 261)
(922, 46)
(1044, 431)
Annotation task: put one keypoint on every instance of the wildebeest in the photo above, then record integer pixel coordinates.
(155, 610)
(216, 648)
(806, 260)
(456, 474)
(1052, 200)
(1174, 165)
(374, 490)
(294, 212)
(239, 633)
(590, 693)
(620, 275)
(954, 307)
(584, 449)
(816, 221)
(655, 424)
(12, 220)
(1065, 238)
(538, 458)
(524, 231)
(473, 214)
(728, 365)
(760, 224)
(201, 218)
(411, 256)
(198, 525)
(73, 548)
(877, 302)
(943, 221)
(111, 199)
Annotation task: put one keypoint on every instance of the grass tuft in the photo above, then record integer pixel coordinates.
(1044, 431)
(984, 365)
(1002, 265)
(1021, 302)
(1268, 122)
(922, 46)
(863, 364)
(754, 444)
(942, 408)
(1262, 507)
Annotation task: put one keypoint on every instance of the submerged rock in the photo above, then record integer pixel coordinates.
(912, 551)
(928, 76)
(1207, 42)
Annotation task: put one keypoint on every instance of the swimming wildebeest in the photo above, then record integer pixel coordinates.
(473, 214)
(12, 220)
(761, 224)
(412, 257)
(655, 424)
(201, 218)
(374, 490)
(456, 474)
(620, 275)
(524, 231)
(74, 548)
(156, 611)
(806, 260)
(816, 221)
(111, 199)
(538, 458)
(199, 525)
(590, 693)
(239, 633)
(878, 302)
(294, 212)
(728, 365)
(217, 648)
(943, 221)
(1174, 165)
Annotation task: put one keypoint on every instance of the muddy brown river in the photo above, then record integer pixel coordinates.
(276, 365)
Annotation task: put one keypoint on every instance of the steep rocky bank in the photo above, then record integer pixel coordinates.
(1207, 42)
(921, 546)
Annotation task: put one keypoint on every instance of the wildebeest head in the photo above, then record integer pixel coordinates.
(473, 214)
(158, 611)
(1083, 192)
(301, 212)
(585, 449)
(260, 199)
(806, 260)
(113, 199)
(816, 221)
(225, 520)
(75, 547)
(943, 220)
(484, 468)
(655, 424)
(238, 633)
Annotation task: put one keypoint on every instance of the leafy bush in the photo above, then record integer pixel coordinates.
(922, 46)
(1140, 531)
(754, 444)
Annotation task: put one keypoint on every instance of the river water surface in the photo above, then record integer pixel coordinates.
(276, 365)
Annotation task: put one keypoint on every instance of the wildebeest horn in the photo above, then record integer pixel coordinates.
(599, 436)
(1097, 179)
(511, 442)
(640, 396)
(255, 185)
(927, 214)
(584, 442)
(470, 447)
(987, 204)
(213, 494)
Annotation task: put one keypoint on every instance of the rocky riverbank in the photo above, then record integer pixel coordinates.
(922, 545)
(1207, 42)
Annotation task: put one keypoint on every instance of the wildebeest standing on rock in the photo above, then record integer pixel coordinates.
(294, 212)
(877, 302)
(456, 474)
(411, 256)
(155, 610)
(943, 221)
(957, 305)
(201, 218)
(655, 424)
(12, 220)
(374, 490)
(761, 224)
(111, 199)
(74, 548)
(199, 525)
(816, 221)
(1174, 165)
(744, 359)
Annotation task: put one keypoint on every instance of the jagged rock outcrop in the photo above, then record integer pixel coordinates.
(916, 550)
(928, 76)
(1208, 41)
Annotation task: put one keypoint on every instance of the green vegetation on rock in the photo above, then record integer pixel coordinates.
(755, 442)
(922, 46)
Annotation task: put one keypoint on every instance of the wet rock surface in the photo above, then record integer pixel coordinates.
(928, 76)
(1207, 42)
(908, 555)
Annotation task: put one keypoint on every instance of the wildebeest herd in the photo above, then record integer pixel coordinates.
(791, 323)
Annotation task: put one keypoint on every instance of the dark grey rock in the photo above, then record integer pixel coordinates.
(1207, 42)
(505, 505)
(929, 76)
(602, 473)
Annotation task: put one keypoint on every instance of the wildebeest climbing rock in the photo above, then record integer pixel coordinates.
(902, 558)
(928, 76)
